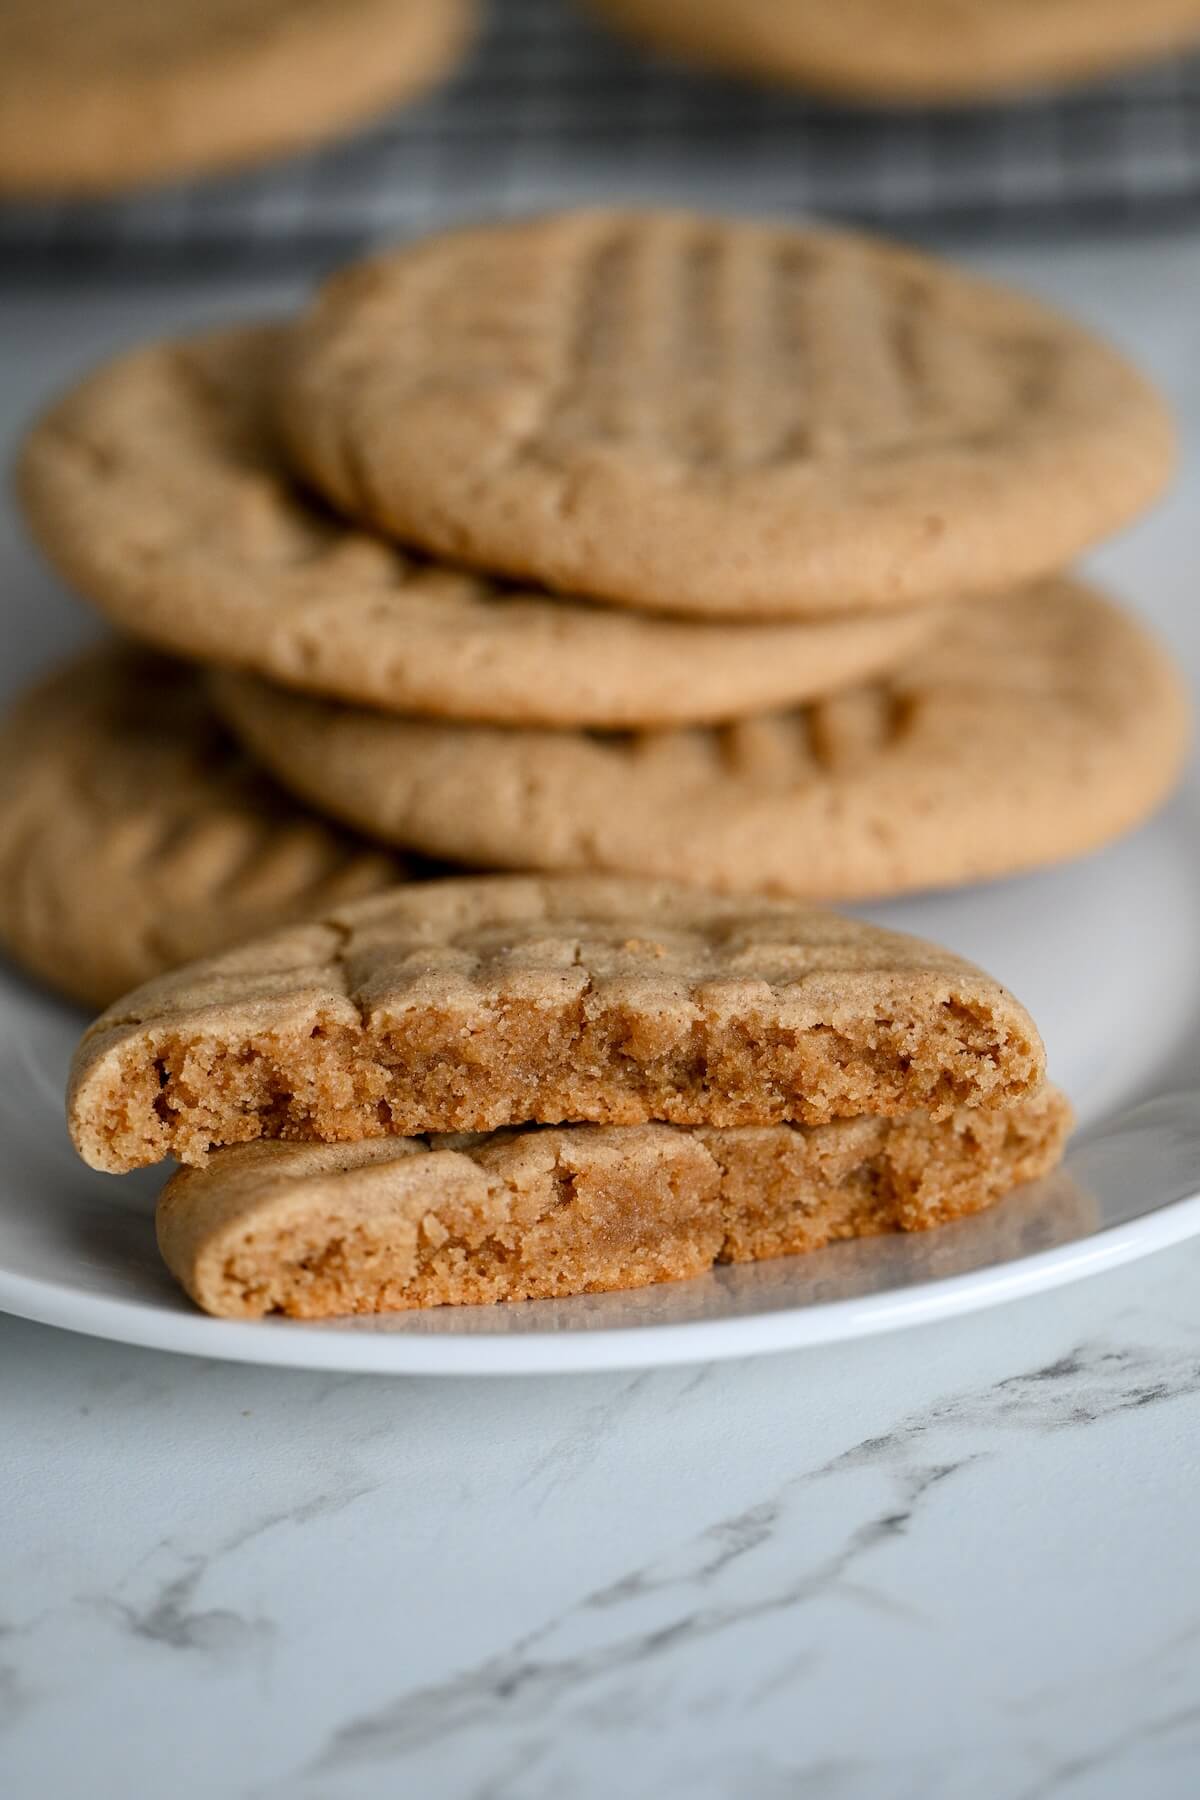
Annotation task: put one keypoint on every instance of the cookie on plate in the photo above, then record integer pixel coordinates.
(719, 417)
(913, 50)
(1036, 727)
(317, 1230)
(474, 1004)
(102, 97)
(134, 835)
(158, 490)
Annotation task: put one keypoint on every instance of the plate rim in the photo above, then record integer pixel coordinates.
(151, 1321)
(326, 1348)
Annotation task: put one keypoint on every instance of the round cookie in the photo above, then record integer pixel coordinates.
(718, 417)
(157, 489)
(100, 97)
(314, 1231)
(913, 50)
(474, 1004)
(134, 836)
(1037, 727)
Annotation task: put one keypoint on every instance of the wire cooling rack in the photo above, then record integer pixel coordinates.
(551, 108)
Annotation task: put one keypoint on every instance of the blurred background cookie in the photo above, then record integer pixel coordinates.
(909, 51)
(105, 95)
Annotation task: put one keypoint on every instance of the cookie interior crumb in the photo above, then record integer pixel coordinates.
(316, 1231)
(476, 1003)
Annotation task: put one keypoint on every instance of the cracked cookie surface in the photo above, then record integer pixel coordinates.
(474, 1004)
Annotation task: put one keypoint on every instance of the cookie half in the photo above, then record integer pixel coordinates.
(103, 97)
(317, 1230)
(719, 417)
(474, 1004)
(135, 835)
(1036, 727)
(914, 51)
(158, 490)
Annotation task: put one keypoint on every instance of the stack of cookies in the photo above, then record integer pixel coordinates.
(644, 543)
(510, 1087)
(619, 549)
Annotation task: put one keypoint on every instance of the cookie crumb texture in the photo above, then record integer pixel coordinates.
(477, 1004)
(317, 1231)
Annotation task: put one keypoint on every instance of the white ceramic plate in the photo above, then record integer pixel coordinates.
(1107, 956)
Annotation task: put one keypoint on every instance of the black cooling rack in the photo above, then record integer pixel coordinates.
(551, 107)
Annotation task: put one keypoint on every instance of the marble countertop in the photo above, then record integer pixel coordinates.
(957, 1564)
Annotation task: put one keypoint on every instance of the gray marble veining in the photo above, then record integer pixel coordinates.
(958, 1564)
